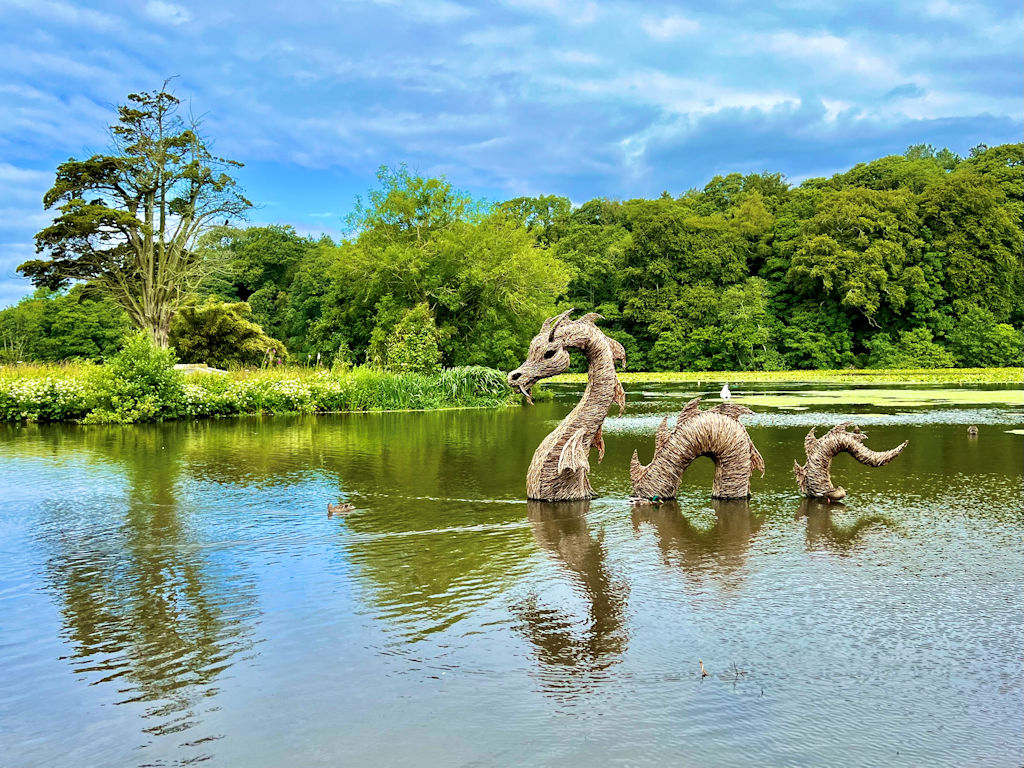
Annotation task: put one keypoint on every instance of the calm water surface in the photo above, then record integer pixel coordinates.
(176, 593)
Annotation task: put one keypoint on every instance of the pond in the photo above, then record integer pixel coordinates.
(177, 593)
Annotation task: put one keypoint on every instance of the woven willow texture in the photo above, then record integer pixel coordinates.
(716, 433)
(560, 468)
(814, 477)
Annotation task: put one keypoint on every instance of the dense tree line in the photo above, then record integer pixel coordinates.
(910, 260)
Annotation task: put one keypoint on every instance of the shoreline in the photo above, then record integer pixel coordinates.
(858, 376)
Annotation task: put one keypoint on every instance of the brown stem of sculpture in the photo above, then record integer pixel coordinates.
(814, 477)
(560, 467)
(716, 433)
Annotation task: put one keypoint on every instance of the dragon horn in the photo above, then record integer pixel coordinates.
(552, 323)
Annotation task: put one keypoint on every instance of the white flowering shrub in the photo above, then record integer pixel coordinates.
(46, 399)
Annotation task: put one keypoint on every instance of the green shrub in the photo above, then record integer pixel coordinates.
(411, 346)
(64, 393)
(220, 333)
(139, 383)
(978, 340)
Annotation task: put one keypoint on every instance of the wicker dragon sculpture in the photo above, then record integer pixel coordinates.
(560, 467)
(716, 433)
(814, 477)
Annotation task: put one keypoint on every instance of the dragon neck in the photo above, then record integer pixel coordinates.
(601, 385)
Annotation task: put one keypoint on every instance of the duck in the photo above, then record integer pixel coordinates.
(703, 672)
(337, 510)
(726, 393)
(972, 431)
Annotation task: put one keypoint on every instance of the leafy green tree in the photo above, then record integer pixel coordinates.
(257, 265)
(978, 340)
(862, 248)
(221, 334)
(730, 330)
(482, 276)
(405, 208)
(592, 243)
(128, 221)
(746, 323)
(913, 172)
(726, 193)
(914, 349)
(975, 227)
(545, 216)
(50, 326)
(670, 253)
(818, 340)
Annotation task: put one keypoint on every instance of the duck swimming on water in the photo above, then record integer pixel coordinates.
(337, 510)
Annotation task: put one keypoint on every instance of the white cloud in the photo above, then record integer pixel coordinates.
(676, 95)
(578, 57)
(167, 13)
(440, 11)
(65, 13)
(498, 37)
(22, 177)
(944, 8)
(834, 107)
(567, 10)
(669, 27)
(831, 51)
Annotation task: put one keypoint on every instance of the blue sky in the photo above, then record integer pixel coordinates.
(507, 98)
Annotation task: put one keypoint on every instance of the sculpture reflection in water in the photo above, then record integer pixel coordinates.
(572, 649)
(718, 550)
(144, 609)
(841, 537)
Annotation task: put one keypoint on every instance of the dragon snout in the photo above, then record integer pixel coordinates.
(516, 381)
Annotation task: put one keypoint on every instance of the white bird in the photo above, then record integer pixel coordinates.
(725, 394)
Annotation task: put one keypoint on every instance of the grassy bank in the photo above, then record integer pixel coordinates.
(857, 376)
(95, 394)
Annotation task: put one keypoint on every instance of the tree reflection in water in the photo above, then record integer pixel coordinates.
(145, 608)
(823, 531)
(718, 549)
(572, 649)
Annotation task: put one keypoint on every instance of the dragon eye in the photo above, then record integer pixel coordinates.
(549, 354)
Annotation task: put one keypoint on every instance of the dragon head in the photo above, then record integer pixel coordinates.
(547, 357)
(549, 349)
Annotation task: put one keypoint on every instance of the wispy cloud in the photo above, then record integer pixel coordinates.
(668, 27)
(168, 13)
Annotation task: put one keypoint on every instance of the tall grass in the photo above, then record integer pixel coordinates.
(76, 392)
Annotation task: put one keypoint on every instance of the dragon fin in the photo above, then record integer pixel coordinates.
(620, 396)
(574, 453)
